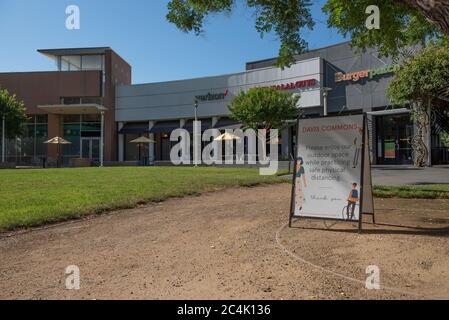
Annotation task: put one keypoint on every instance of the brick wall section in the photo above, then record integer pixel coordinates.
(118, 72)
(42, 88)
(47, 88)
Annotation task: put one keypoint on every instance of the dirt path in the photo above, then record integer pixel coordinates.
(222, 246)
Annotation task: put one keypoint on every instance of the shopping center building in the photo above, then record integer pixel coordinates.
(76, 102)
(90, 97)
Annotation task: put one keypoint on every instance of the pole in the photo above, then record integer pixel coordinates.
(3, 138)
(139, 156)
(295, 163)
(325, 101)
(102, 140)
(151, 144)
(194, 124)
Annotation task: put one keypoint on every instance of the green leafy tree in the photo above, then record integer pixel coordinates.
(264, 108)
(403, 22)
(14, 112)
(445, 139)
(422, 77)
(401, 25)
(284, 18)
(420, 83)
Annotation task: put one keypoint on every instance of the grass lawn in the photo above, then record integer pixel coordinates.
(431, 191)
(32, 197)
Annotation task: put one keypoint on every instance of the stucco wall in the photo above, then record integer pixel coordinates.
(174, 99)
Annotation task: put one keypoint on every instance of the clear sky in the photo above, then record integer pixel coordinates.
(138, 31)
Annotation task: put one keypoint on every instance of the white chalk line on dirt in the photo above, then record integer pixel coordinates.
(340, 275)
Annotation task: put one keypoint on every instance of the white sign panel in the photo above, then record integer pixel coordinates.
(329, 168)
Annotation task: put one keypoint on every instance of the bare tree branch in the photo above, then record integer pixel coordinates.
(435, 11)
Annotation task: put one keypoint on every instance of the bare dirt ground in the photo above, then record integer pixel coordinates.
(223, 245)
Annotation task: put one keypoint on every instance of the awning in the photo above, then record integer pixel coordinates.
(224, 124)
(134, 128)
(165, 127)
(72, 108)
(389, 112)
(143, 127)
(205, 124)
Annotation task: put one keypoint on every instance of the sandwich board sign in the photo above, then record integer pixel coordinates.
(332, 171)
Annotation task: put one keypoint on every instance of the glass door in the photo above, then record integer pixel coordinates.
(394, 138)
(90, 148)
(165, 147)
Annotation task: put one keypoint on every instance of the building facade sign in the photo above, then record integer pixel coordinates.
(173, 99)
(212, 96)
(370, 73)
(302, 84)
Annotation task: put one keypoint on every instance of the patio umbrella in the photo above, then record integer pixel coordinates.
(275, 141)
(58, 141)
(227, 137)
(142, 140)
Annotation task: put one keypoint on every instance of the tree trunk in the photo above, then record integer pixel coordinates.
(436, 12)
(420, 150)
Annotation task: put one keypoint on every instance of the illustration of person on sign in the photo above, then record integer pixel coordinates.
(353, 199)
(301, 183)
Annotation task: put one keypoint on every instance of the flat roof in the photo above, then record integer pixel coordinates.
(51, 53)
(73, 108)
(300, 54)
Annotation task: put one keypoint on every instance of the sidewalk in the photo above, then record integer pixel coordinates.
(407, 175)
(401, 175)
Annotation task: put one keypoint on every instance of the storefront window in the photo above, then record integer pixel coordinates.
(72, 133)
(80, 130)
(91, 118)
(91, 125)
(131, 149)
(41, 134)
(77, 100)
(27, 140)
(81, 62)
(394, 135)
(29, 148)
(93, 62)
(71, 63)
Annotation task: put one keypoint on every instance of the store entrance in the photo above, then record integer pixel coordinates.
(165, 147)
(394, 136)
(90, 148)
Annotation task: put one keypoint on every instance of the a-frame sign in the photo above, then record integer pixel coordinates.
(332, 171)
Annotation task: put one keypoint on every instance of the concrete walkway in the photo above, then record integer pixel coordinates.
(400, 175)
(407, 175)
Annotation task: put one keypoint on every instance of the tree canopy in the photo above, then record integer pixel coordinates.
(402, 22)
(422, 76)
(401, 25)
(14, 112)
(420, 83)
(283, 17)
(264, 108)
